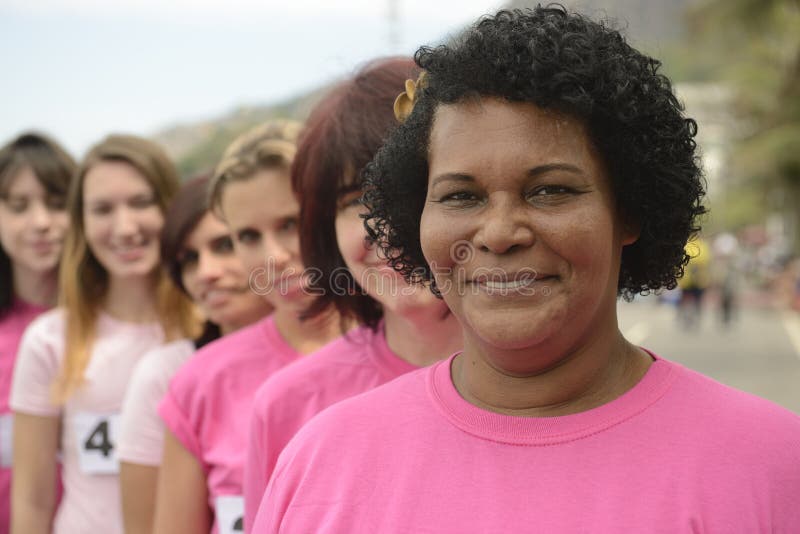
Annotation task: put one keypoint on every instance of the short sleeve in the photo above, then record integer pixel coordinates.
(173, 409)
(141, 439)
(38, 365)
(256, 468)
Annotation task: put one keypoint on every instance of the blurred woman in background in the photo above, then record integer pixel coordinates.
(402, 327)
(115, 304)
(208, 403)
(35, 173)
(197, 252)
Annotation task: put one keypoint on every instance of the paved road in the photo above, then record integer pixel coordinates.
(759, 353)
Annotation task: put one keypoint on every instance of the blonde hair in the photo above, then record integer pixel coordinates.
(267, 146)
(83, 281)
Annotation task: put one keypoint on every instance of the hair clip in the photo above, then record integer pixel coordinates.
(404, 103)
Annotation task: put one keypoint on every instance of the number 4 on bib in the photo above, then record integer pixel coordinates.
(99, 440)
(95, 436)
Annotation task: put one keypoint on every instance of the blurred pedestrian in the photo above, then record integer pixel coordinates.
(35, 173)
(75, 361)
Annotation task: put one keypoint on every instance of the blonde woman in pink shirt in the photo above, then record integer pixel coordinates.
(543, 168)
(208, 403)
(403, 327)
(34, 177)
(74, 362)
(197, 252)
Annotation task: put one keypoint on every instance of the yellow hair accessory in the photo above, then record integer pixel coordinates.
(404, 103)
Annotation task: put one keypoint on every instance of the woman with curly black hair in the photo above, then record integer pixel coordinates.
(543, 169)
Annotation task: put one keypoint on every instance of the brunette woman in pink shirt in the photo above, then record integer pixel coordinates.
(35, 173)
(208, 403)
(197, 252)
(74, 362)
(543, 168)
(403, 327)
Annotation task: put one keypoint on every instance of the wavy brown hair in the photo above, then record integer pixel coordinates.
(83, 281)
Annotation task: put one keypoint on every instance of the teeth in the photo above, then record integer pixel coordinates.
(506, 285)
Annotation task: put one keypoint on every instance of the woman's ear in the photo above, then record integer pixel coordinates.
(631, 230)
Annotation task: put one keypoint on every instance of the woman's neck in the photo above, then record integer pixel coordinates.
(307, 336)
(585, 378)
(422, 338)
(132, 300)
(39, 288)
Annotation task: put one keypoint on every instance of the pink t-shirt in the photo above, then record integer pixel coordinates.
(208, 406)
(89, 418)
(353, 364)
(676, 453)
(141, 437)
(12, 324)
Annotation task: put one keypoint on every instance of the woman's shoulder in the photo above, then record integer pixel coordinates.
(163, 360)
(55, 318)
(347, 354)
(243, 342)
(728, 413)
(46, 329)
(223, 360)
(404, 398)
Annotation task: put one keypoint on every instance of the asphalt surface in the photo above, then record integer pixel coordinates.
(758, 352)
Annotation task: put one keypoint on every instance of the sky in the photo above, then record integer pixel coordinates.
(80, 69)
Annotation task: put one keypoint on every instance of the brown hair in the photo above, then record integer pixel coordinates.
(341, 136)
(267, 146)
(84, 281)
(187, 208)
(54, 169)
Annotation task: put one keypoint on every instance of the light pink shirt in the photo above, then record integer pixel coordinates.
(141, 439)
(353, 364)
(676, 453)
(12, 324)
(209, 402)
(91, 500)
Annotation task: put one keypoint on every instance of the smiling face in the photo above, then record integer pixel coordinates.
(122, 219)
(373, 274)
(262, 215)
(215, 278)
(32, 224)
(520, 230)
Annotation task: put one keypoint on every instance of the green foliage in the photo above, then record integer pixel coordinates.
(754, 46)
(204, 154)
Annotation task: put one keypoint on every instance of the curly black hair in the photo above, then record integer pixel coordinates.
(567, 63)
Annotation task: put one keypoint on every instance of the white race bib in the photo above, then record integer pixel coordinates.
(230, 514)
(6, 439)
(96, 439)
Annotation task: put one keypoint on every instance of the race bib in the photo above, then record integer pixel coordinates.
(230, 514)
(96, 439)
(6, 439)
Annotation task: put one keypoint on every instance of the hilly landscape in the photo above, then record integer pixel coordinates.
(652, 24)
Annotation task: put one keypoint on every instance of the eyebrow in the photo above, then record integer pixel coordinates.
(543, 169)
(534, 172)
(452, 176)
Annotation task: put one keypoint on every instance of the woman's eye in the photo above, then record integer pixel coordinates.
(248, 236)
(142, 202)
(222, 245)
(100, 209)
(458, 198)
(288, 225)
(348, 203)
(17, 206)
(56, 203)
(550, 191)
(188, 259)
